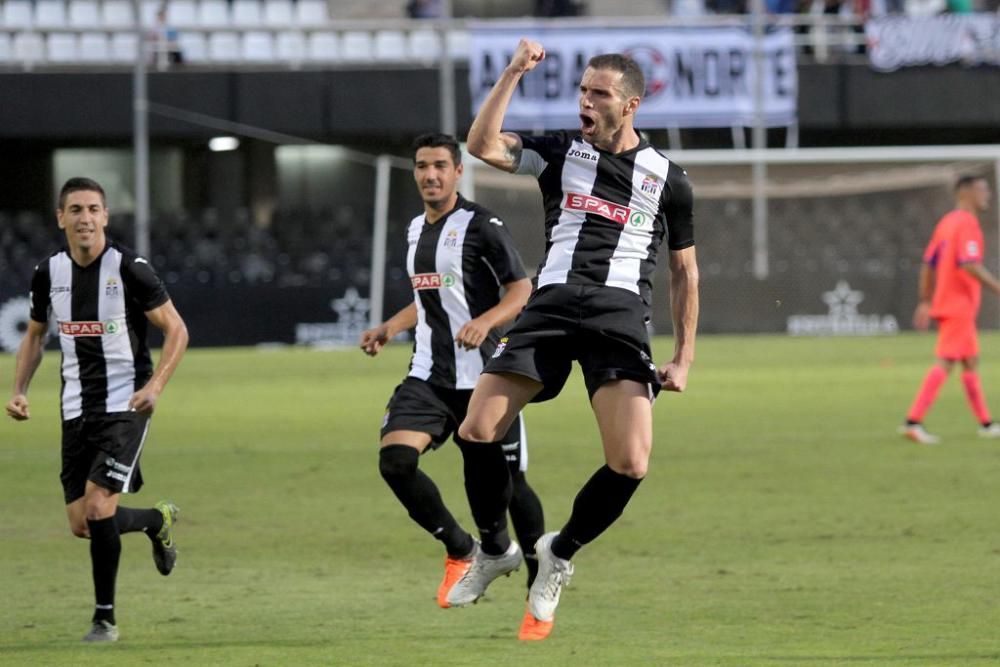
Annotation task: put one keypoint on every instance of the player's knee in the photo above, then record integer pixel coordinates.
(396, 461)
(476, 432)
(635, 467)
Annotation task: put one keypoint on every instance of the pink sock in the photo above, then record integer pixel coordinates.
(974, 392)
(928, 392)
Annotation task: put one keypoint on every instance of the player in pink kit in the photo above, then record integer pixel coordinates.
(950, 287)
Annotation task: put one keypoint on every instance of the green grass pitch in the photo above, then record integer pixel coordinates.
(783, 522)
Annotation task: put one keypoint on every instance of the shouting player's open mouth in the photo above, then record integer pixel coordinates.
(587, 125)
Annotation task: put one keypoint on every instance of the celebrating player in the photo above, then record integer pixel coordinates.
(610, 201)
(459, 257)
(950, 287)
(101, 295)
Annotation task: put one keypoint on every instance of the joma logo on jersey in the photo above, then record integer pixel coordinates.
(605, 209)
(82, 328)
(585, 155)
(432, 281)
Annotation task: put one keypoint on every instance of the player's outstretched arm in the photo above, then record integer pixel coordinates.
(29, 357)
(175, 342)
(374, 339)
(474, 332)
(502, 149)
(684, 312)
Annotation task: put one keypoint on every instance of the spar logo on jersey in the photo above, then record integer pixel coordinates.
(589, 204)
(422, 281)
(82, 328)
(88, 328)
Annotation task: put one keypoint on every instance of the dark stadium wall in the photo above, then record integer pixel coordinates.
(358, 105)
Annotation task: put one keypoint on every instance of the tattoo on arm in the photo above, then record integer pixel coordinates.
(513, 154)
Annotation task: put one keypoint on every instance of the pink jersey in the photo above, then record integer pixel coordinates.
(957, 240)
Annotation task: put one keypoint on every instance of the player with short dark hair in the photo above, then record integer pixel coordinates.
(950, 289)
(611, 201)
(101, 296)
(460, 256)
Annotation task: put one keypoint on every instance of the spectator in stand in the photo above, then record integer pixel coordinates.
(424, 9)
(553, 8)
(166, 45)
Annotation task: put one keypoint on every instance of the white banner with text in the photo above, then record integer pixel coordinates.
(900, 41)
(695, 77)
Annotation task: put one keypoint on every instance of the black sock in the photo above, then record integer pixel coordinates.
(488, 487)
(105, 550)
(600, 502)
(528, 519)
(130, 520)
(421, 498)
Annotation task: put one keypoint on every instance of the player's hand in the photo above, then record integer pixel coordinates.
(144, 400)
(673, 377)
(922, 316)
(372, 340)
(472, 334)
(17, 408)
(528, 54)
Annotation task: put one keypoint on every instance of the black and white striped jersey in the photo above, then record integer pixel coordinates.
(457, 266)
(100, 314)
(606, 215)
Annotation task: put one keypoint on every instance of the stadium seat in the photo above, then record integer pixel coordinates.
(458, 43)
(29, 47)
(247, 14)
(258, 46)
(84, 14)
(123, 47)
(323, 47)
(390, 45)
(424, 45)
(50, 14)
(311, 12)
(223, 47)
(61, 47)
(18, 14)
(182, 14)
(94, 47)
(147, 11)
(278, 13)
(117, 14)
(290, 46)
(356, 45)
(213, 14)
(193, 46)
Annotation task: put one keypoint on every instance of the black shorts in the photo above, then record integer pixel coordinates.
(420, 406)
(103, 448)
(603, 328)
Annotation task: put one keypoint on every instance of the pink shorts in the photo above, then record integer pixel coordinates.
(957, 339)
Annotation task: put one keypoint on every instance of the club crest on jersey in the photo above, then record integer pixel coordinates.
(422, 281)
(650, 185)
(575, 201)
(501, 346)
(451, 239)
(111, 287)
